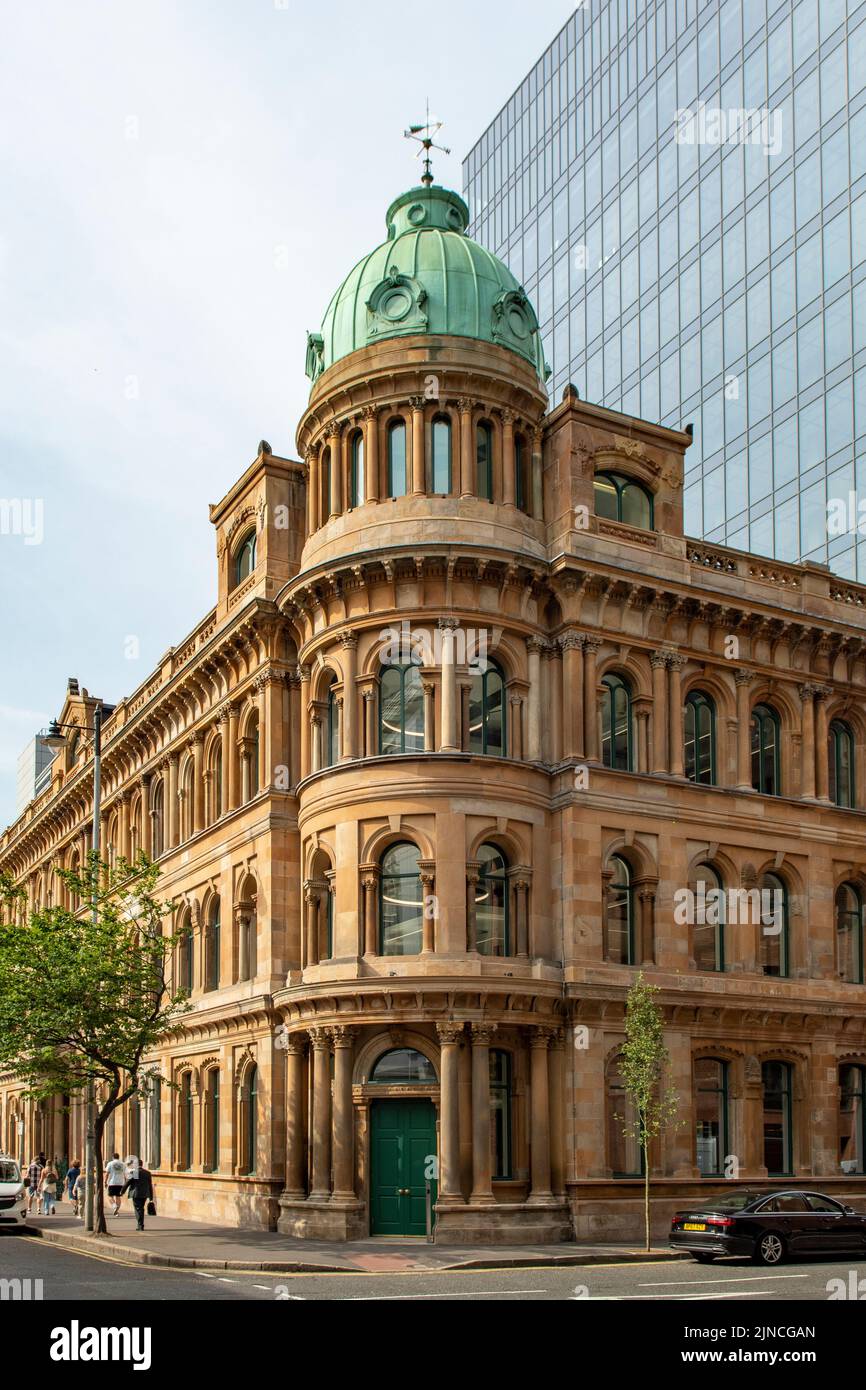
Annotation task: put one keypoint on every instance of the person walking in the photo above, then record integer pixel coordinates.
(34, 1173)
(72, 1175)
(48, 1189)
(140, 1189)
(79, 1193)
(115, 1178)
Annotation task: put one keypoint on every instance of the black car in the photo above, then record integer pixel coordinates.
(769, 1227)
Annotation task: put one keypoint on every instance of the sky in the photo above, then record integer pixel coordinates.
(182, 188)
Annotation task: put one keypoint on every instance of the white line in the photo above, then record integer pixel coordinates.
(702, 1298)
(406, 1297)
(672, 1283)
(224, 1280)
(267, 1288)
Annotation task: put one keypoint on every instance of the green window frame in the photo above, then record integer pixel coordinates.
(397, 475)
(711, 1116)
(187, 958)
(488, 713)
(778, 1120)
(401, 711)
(700, 739)
(852, 1131)
(332, 727)
(623, 499)
(766, 730)
(186, 1116)
(848, 911)
(441, 461)
(245, 558)
(708, 944)
(252, 1103)
(213, 948)
(325, 485)
(775, 935)
(501, 1114)
(484, 460)
(617, 750)
(401, 901)
(521, 487)
(619, 914)
(403, 1066)
(492, 903)
(212, 1093)
(841, 756)
(356, 471)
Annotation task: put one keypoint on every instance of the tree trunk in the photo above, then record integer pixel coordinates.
(646, 1198)
(99, 1226)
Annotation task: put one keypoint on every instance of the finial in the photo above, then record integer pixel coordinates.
(424, 134)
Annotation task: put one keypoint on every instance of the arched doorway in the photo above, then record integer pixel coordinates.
(403, 1155)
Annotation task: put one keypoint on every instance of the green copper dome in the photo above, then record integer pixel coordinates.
(428, 277)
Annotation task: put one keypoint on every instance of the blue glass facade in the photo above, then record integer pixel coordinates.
(720, 282)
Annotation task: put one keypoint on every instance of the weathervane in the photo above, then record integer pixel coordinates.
(423, 135)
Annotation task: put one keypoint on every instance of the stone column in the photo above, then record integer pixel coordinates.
(429, 716)
(232, 761)
(310, 461)
(123, 829)
(313, 485)
(427, 873)
(343, 499)
(226, 756)
(642, 717)
(311, 898)
(262, 694)
(370, 885)
(448, 742)
(371, 745)
(822, 737)
(315, 740)
(295, 1177)
(676, 738)
(553, 701)
(349, 643)
(304, 674)
(647, 904)
(521, 901)
(450, 1035)
(419, 479)
(537, 481)
(335, 443)
(321, 1117)
(196, 745)
(658, 661)
(473, 874)
(146, 836)
(556, 1081)
(534, 646)
(294, 729)
(482, 1168)
(465, 733)
(344, 1115)
(572, 694)
(744, 731)
(173, 836)
(807, 727)
(591, 647)
(468, 459)
(371, 453)
(508, 457)
(542, 1192)
(245, 754)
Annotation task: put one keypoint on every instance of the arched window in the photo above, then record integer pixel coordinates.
(849, 933)
(212, 1125)
(216, 783)
(213, 947)
(492, 925)
(774, 927)
(187, 805)
(157, 820)
(500, 1114)
(487, 713)
(251, 1118)
(186, 961)
(521, 479)
(622, 499)
(765, 751)
(700, 738)
(711, 1116)
(709, 919)
(484, 454)
(624, 1152)
(401, 710)
(403, 1066)
(329, 921)
(356, 477)
(332, 727)
(441, 468)
(401, 902)
(619, 916)
(841, 755)
(254, 736)
(245, 558)
(185, 1108)
(616, 736)
(397, 459)
(325, 486)
(778, 1119)
(153, 1124)
(852, 1119)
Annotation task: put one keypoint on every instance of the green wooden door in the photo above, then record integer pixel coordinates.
(403, 1143)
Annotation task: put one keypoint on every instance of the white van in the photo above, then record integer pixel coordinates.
(11, 1187)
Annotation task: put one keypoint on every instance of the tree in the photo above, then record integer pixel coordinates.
(84, 993)
(644, 1061)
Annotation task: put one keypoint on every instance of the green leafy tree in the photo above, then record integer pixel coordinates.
(85, 993)
(644, 1061)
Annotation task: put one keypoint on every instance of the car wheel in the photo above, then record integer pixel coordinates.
(702, 1257)
(770, 1249)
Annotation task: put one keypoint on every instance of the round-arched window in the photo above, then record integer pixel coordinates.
(622, 499)
(245, 559)
(403, 1067)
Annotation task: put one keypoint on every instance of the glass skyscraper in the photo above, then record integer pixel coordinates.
(694, 264)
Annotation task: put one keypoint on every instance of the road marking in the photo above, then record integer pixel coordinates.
(267, 1288)
(405, 1297)
(744, 1279)
(223, 1280)
(702, 1298)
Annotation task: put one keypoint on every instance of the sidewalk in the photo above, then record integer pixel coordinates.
(174, 1243)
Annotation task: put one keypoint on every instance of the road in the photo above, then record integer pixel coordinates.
(94, 1278)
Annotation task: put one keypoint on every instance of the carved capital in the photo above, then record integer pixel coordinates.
(482, 1034)
(450, 1033)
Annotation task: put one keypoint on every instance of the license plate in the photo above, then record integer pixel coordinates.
(694, 1226)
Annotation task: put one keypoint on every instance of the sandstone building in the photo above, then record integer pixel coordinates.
(432, 781)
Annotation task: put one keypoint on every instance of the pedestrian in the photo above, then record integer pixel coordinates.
(140, 1189)
(72, 1174)
(48, 1189)
(34, 1173)
(79, 1192)
(115, 1177)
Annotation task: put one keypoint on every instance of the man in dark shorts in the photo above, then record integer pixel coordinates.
(115, 1180)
